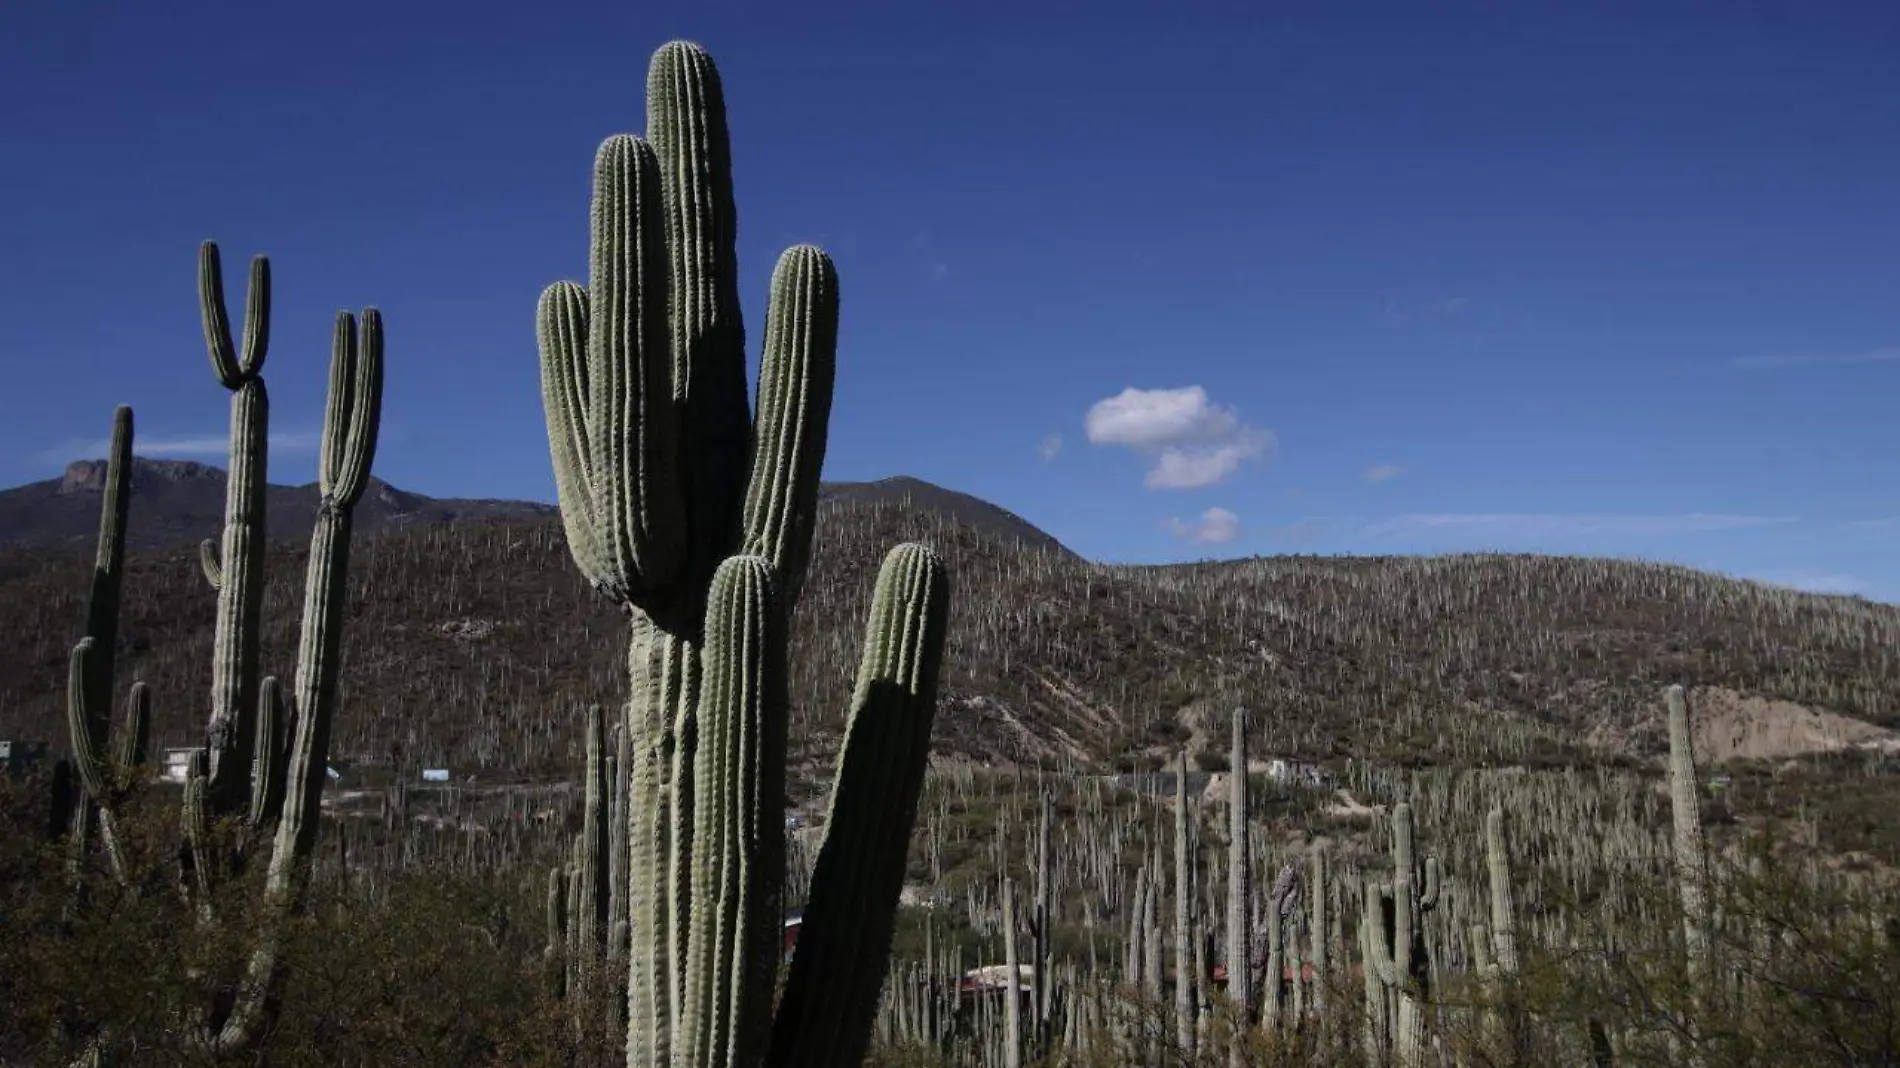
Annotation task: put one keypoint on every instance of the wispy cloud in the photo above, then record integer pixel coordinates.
(1193, 441)
(1049, 447)
(1382, 472)
(1524, 525)
(189, 448)
(1215, 525)
(1812, 359)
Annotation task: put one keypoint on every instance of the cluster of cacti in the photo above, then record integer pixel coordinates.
(256, 772)
(697, 518)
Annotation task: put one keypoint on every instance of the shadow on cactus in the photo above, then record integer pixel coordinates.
(696, 516)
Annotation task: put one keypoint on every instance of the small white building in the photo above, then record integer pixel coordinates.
(1287, 771)
(177, 763)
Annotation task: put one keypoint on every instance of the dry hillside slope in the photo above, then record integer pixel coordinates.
(471, 645)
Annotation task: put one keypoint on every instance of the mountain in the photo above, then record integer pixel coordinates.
(471, 645)
(177, 502)
(969, 511)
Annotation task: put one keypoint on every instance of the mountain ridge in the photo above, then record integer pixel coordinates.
(180, 502)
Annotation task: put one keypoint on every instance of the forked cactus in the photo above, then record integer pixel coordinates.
(697, 518)
(236, 567)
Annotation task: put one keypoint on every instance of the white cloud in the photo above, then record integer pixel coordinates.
(1049, 447)
(1509, 525)
(172, 448)
(1194, 442)
(1382, 472)
(1214, 526)
(1810, 359)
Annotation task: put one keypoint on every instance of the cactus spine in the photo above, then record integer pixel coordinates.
(697, 519)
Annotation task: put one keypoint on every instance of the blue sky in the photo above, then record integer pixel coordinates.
(1171, 282)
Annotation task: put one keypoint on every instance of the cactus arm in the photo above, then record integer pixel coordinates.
(567, 400)
(738, 788)
(686, 118)
(270, 755)
(135, 735)
(796, 375)
(630, 388)
(208, 561)
(830, 998)
(195, 822)
(617, 873)
(81, 676)
(225, 362)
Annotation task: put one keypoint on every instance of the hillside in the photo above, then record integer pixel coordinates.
(470, 646)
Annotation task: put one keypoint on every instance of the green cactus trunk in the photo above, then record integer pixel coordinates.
(240, 560)
(674, 497)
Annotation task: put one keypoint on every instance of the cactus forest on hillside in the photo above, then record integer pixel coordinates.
(761, 862)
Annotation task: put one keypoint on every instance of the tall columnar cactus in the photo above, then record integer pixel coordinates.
(237, 569)
(1185, 1021)
(1691, 860)
(1283, 907)
(285, 798)
(1321, 994)
(697, 519)
(1042, 991)
(1494, 945)
(1239, 878)
(91, 675)
(1397, 948)
(347, 448)
(1503, 913)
